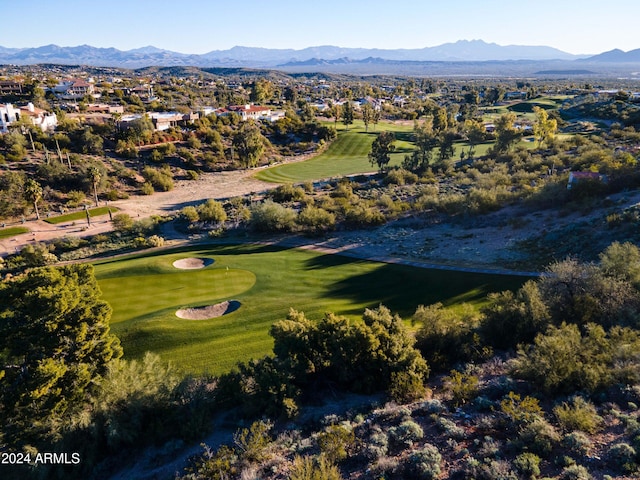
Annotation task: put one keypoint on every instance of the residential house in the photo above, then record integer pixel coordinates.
(9, 87)
(40, 118)
(73, 89)
(162, 120)
(251, 112)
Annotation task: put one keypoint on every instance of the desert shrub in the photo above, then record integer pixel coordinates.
(270, 216)
(147, 188)
(405, 434)
(377, 445)
(462, 387)
(449, 427)
(122, 222)
(564, 360)
(430, 406)
(308, 468)
(215, 465)
(487, 470)
(578, 443)
(490, 448)
(424, 464)
(361, 215)
(160, 179)
(622, 457)
(446, 337)
(400, 176)
(190, 214)
(132, 396)
(578, 415)
(527, 464)
(37, 255)
(316, 220)
(520, 411)
(575, 472)
(75, 198)
(539, 437)
(155, 241)
(212, 211)
(287, 193)
(335, 442)
(253, 443)
(512, 318)
(343, 190)
(405, 387)
(386, 467)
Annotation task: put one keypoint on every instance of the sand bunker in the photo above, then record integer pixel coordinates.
(210, 311)
(192, 263)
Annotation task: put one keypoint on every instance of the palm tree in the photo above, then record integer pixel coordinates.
(94, 175)
(33, 193)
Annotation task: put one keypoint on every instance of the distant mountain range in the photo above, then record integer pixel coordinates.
(252, 57)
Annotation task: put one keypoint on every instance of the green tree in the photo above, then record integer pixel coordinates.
(425, 140)
(506, 133)
(55, 344)
(249, 144)
(445, 144)
(347, 113)
(545, 128)
(622, 260)
(91, 142)
(377, 115)
(440, 119)
(381, 150)
(261, 91)
(367, 115)
(475, 133)
(336, 112)
(33, 193)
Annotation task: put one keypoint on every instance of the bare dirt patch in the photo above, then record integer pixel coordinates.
(192, 263)
(209, 311)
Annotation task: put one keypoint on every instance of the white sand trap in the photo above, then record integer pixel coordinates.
(210, 311)
(192, 263)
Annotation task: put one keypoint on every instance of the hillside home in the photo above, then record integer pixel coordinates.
(251, 112)
(41, 118)
(162, 120)
(73, 89)
(9, 87)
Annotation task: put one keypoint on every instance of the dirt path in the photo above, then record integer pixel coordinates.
(210, 185)
(487, 246)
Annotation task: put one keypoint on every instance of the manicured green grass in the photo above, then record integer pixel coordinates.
(81, 215)
(12, 232)
(347, 155)
(146, 291)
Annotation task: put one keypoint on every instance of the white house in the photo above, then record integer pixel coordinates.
(73, 89)
(40, 118)
(251, 112)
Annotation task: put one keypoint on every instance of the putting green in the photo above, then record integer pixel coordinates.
(146, 291)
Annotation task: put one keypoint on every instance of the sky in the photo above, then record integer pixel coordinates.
(200, 26)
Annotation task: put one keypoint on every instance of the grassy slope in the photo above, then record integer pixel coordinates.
(347, 155)
(145, 292)
(12, 232)
(81, 215)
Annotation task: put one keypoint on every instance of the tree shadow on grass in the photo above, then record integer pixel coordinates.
(403, 288)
